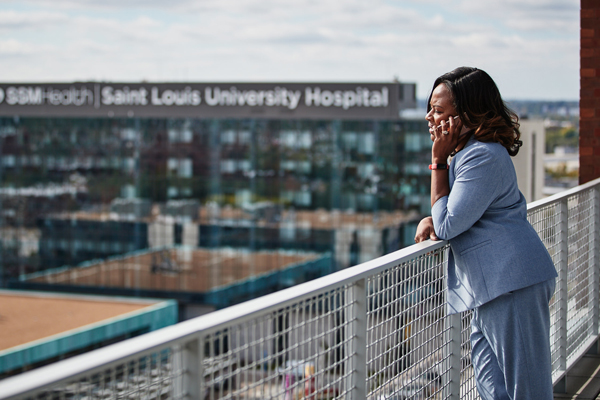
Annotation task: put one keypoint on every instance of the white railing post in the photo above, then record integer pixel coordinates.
(594, 261)
(188, 382)
(451, 379)
(356, 340)
(559, 329)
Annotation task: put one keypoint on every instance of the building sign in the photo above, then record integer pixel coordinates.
(206, 100)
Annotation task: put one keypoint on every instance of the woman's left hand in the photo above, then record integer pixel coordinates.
(445, 140)
(425, 230)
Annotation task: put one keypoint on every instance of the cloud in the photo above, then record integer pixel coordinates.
(20, 20)
(12, 47)
(251, 40)
(529, 15)
(101, 5)
(143, 29)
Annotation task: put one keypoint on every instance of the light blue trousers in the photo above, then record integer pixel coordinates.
(510, 340)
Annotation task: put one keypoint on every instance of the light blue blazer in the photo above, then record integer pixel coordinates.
(494, 249)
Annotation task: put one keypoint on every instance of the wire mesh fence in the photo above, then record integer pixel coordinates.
(377, 331)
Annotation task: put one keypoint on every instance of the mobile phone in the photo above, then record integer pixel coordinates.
(439, 126)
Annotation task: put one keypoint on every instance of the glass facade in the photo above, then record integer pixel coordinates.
(290, 169)
(81, 188)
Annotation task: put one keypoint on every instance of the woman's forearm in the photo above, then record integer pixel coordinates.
(444, 143)
(440, 184)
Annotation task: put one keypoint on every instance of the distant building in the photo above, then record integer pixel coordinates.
(155, 153)
(529, 162)
(564, 161)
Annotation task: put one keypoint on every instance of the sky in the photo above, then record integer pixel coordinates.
(529, 47)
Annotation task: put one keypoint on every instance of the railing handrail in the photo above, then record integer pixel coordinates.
(101, 359)
(534, 205)
(123, 351)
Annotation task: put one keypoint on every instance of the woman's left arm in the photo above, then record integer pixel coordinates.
(425, 230)
(440, 184)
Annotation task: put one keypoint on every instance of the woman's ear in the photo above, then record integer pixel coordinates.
(466, 123)
(465, 119)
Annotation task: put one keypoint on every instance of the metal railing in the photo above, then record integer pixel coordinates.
(378, 331)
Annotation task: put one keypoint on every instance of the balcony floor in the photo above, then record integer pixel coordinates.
(583, 380)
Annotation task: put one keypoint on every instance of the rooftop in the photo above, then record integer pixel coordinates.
(29, 316)
(174, 269)
(41, 328)
(315, 219)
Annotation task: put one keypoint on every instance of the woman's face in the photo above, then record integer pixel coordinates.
(442, 108)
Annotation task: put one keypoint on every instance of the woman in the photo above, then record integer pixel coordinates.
(498, 267)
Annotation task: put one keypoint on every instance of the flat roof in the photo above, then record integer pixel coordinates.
(320, 218)
(29, 316)
(174, 269)
(314, 219)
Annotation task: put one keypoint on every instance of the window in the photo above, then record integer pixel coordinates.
(101, 162)
(115, 162)
(180, 135)
(303, 198)
(366, 143)
(128, 192)
(242, 197)
(303, 166)
(288, 165)
(287, 138)
(366, 170)
(227, 166)
(172, 192)
(416, 169)
(228, 137)
(129, 164)
(128, 134)
(304, 140)
(181, 167)
(245, 137)
(244, 165)
(295, 139)
(62, 162)
(413, 142)
(187, 136)
(185, 169)
(365, 201)
(349, 140)
(87, 162)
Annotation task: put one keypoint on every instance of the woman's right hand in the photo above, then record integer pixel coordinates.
(445, 143)
(425, 230)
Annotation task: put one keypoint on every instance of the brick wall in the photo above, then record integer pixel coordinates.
(589, 94)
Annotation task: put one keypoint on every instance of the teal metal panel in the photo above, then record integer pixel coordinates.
(148, 319)
(225, 296)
